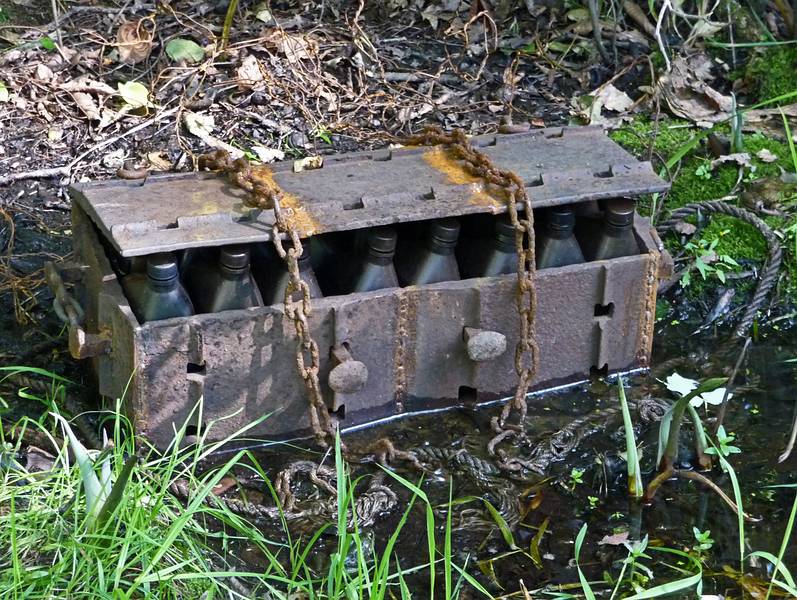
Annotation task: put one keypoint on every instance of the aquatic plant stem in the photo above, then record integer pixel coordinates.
(663, 476)
(635, 486)
(701, 443)
(731, 379)
(671, 448)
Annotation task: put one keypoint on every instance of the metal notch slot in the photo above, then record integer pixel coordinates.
(596, 372)
(467, 394)
(605, 174)
(354, 205)
(195, 368)
(604, 310)
(535, 182)
(194, 431)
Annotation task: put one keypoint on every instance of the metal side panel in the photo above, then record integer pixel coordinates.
(171, 212)
(368, 325)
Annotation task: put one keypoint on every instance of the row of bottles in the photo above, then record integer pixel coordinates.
(208, 280)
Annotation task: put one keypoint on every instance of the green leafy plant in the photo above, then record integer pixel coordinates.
(103, 495)
(184, 49)
(576, 478)
(704, 170)
(47, 43)
(701, 256)
(670, 426)
(639, 574)
(703, 541)
(724, 446)
(322, 133)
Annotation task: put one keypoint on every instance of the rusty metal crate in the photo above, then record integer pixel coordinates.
(416, 342)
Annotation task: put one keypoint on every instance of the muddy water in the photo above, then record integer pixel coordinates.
(760, 415)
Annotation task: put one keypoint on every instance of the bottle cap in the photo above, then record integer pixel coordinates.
(561, 218)
(620, 212)
(382, 240)
(445, 231)
(162, 266)
(234, 257)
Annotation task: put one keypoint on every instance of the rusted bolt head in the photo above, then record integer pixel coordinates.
(348, 377)
(484, 345)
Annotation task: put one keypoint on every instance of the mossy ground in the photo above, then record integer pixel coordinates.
(772, 71)
(693, 180)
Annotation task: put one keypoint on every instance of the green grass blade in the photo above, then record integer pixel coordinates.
(585, 587)
(117, 492)
(503, 526)
(783, 544)
(635, 486)
(430, 543)
(447, 543)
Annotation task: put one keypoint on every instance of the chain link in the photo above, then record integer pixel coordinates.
(265, 195)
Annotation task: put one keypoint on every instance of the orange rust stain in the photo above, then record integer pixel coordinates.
(295, 212)
(441, 160)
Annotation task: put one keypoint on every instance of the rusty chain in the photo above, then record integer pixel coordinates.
(511, 187)
(264, 194)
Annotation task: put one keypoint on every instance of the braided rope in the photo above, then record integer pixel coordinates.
(769, 274)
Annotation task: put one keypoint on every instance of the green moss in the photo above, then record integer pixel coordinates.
(690, 186)
(773, 71)
(664, 137)
(742, 242)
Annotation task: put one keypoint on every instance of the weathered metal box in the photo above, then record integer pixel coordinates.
(596, 315)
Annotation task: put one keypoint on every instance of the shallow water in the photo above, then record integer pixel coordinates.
(760, 414)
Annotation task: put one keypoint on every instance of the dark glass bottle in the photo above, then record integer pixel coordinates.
(556, 244)
(494, 256)
(271, 273)
(375, 270)
(158, 293)
(433, 259)
(616, 237)
(225, 284)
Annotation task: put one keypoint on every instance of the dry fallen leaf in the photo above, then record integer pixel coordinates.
(202, 126)
(158, 161)
(295, 47)
(740, 158)
(606, 97)
(308, 163)
(687, 91)
(249, 75)
(134, 41)
(43, 72)
(766, 156)
(617, 539)
(267, 155)
(86, 103)
(88, 86)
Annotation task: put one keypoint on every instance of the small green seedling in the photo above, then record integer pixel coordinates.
(702, 256)
(704, 541)
(724, 446)
(576, 478)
